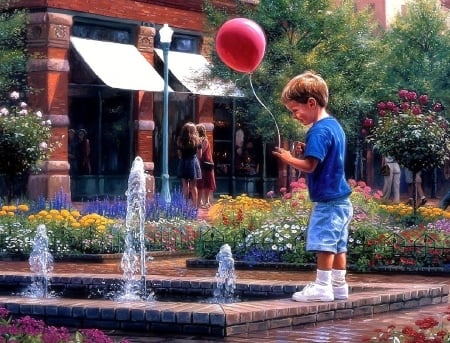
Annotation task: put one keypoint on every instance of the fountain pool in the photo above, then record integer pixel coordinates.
(211, 319)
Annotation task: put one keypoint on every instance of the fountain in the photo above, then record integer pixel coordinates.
(225, 276)
(41, 264)
(132, 262)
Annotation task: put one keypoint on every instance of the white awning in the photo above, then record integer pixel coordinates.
(193, 71)
(119, 66)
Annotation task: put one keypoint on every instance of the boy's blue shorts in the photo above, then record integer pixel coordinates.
(328, 226)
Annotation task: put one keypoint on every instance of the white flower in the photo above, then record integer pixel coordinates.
(43, 146)
(48, 122)
(4, 111)
(39, 114)
(22, 112)
(14, 95)
(23, 105)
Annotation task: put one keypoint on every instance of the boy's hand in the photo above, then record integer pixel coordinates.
(282, 154)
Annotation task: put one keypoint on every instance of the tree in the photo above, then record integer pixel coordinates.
(308, 35)
(13, 57)
(416, 51)
(413, 131)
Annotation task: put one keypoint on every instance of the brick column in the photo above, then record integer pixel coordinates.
(48, 37)
(143, 111)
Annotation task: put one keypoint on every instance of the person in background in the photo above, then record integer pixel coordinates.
(306, 97)
(391, 181)
(73, 151)
(420, 195)
(207, 184)
(445, 200)
(84, 152)
(189, 166)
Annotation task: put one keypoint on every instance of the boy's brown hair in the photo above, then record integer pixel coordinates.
(305, 86)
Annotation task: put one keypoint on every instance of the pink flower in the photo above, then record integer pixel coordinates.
(381, 106)
(403, 94)
(287, 196)
(405, 106)
(437, 107)
(390, 105)
(283, 190)
(416, 110)
(423, 99)
(412, 96)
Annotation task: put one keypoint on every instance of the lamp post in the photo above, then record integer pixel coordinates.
(165, 38)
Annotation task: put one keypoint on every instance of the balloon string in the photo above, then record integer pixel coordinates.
(265, 107)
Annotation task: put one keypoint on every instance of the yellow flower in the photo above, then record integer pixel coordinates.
(3, 212)
(23, 208)
(65, 213)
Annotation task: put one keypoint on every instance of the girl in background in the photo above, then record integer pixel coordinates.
(207, 184)
(189, 167)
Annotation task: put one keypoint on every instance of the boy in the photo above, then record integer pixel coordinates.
(306, 97)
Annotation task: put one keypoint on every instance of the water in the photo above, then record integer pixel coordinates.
(133, 260)
(41, 265)
(225, 276)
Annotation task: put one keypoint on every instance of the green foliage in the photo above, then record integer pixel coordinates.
(416, 51)
(302, 35)
(13, 57)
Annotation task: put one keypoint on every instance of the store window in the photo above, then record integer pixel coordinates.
(245, 159)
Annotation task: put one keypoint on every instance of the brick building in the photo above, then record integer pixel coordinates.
(98, 71)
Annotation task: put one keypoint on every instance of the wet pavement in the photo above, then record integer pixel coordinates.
(351, 330)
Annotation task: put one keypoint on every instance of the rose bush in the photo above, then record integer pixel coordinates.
(24, 139)
(413, 131)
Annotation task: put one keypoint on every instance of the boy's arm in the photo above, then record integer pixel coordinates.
(307, 165)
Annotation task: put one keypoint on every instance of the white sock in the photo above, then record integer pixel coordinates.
(338, 277)
(323, 277)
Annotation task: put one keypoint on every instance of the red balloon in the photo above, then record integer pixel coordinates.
(241, 44)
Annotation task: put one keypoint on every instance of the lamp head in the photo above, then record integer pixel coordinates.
(165, 34)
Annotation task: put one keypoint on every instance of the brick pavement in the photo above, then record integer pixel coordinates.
(344, 330)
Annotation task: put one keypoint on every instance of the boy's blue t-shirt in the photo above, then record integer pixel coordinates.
(325, 141)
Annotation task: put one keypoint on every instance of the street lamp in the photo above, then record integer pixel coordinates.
(165, 38)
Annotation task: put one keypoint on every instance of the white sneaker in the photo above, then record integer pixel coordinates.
(340, 292)
(314, 292)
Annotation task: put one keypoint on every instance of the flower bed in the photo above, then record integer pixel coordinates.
(380, 237)
(98, 228)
